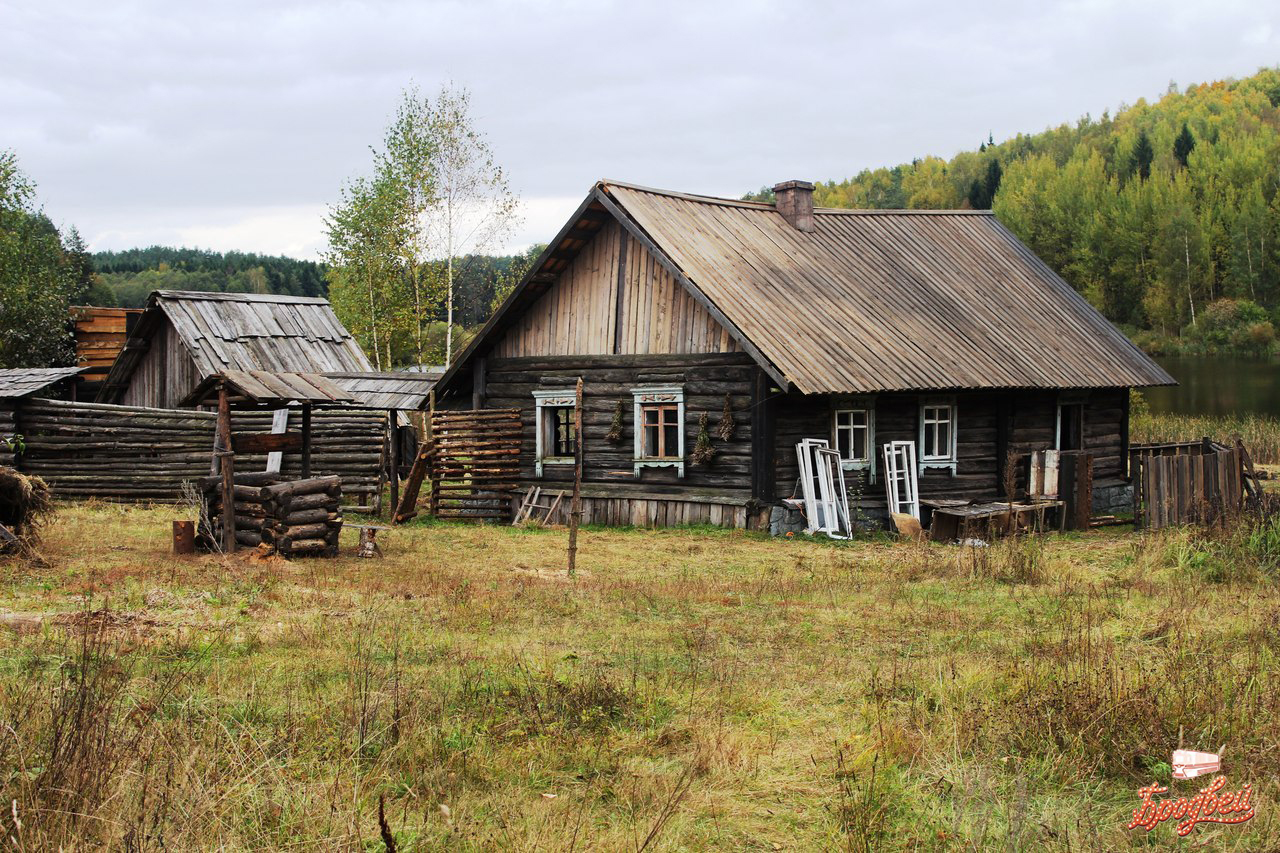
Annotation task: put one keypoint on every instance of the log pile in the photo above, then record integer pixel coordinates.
(475, 463)
(298, 518)
(129, 453)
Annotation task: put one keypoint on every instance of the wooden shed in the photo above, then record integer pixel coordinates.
(856, 326)
(17, 384)
(183, 338)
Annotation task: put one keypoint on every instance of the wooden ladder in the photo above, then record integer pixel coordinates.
(530, 503)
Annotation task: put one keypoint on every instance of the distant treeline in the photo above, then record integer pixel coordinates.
(133, 273)
(1152, 214)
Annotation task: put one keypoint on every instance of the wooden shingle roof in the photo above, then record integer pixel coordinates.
(243, 331)
(402, 391)
(870, 300)
(270, 388)
(22, 381)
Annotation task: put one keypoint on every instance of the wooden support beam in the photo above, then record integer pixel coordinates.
(619, 302)
(575, 509)
(393, 451)
(478, 393)
(227, 457)
(306, 440)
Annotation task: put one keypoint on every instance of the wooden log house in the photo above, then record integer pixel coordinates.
(19, 384)
(858, 326)
(184, 338)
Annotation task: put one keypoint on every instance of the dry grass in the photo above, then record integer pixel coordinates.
(687, 690)
(1261, 434)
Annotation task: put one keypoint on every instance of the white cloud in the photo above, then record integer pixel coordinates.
(152, 122)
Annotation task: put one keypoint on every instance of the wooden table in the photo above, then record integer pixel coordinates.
(986, 520)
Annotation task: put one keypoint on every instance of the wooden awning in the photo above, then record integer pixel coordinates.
(270, 388)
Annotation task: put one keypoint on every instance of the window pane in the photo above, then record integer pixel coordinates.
(859, 449)
(842, 442)
(650, 440)
(671, 440)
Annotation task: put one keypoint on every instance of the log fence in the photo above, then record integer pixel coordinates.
(475, 463)
(129, 453)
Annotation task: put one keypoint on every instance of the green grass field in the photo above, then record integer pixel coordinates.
(688, 689)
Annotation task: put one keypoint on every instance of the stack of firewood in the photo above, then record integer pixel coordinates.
(299, 518)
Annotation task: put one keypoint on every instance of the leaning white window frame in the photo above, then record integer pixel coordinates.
(850, 416)
(544, 401)
(665, 396)
(938, 451)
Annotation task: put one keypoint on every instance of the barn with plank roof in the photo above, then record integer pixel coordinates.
(184, 337)
(778, 322)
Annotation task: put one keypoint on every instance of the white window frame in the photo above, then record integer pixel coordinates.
(666, 395)
(856, 404)
(933, 461)
(542, 401)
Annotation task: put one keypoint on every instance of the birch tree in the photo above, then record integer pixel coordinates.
(474, 208)
(367, 230)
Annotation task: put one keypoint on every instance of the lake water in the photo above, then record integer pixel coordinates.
(1218, 386)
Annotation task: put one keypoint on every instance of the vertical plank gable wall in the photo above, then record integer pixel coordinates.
(583, 315)
(164, 375)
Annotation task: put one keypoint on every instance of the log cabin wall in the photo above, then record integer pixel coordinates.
(128, 453)
(165, 374)
(1030, 423)
(7, 428)
(597, 309)
(715, 493)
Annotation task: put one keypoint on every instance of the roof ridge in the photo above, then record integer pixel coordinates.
(764, 205)
(219, 295)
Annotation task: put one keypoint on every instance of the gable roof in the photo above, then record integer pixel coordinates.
(242, 331)
(22, 381)
(870, 300)
(270, 388)
(404, 391)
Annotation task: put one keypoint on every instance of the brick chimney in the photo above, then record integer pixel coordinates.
(794, 200)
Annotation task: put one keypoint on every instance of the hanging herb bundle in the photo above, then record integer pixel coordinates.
(703, 451)
(727, 426)
(614, 435)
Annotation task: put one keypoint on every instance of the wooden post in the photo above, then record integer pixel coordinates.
(227, 455)
(184, 537)
(306, 441)
(433, 497)
(393, 427)
(479, 393)
(575, 510)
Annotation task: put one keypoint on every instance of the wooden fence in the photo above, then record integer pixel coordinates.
(127, 453)
(475, 463)
(1188, 484)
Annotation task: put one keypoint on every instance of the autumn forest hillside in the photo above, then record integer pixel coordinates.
(1164, 214)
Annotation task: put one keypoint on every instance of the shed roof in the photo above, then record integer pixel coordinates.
(870, 300)
(404, 391)
(22, 381)
(243, 331)
(270, 388)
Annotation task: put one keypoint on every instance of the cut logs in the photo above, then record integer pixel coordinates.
(296, 517)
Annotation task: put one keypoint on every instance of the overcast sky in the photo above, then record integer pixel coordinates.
(232, 125)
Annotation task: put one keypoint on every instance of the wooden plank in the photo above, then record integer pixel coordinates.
(266, 442)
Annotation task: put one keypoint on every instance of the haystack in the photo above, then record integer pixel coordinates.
(25, 504)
